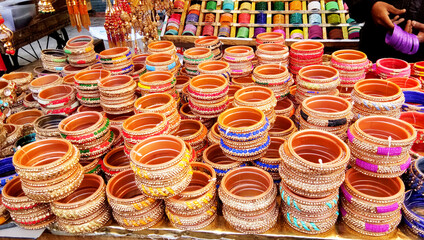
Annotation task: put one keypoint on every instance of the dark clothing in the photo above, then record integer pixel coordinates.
(372, 36)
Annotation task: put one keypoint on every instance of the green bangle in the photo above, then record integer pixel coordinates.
(351, 20)
(333, 19)
(171, 32)
(279, 6)
(243, 32)
(211, 5)
(261, 6)
(332, 6)
(188, 33)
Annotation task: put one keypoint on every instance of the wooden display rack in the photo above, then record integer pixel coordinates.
(232, 40)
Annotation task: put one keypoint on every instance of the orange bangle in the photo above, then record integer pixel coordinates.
(278, 18)
(195, 11)
(226, 17)
(295, 5)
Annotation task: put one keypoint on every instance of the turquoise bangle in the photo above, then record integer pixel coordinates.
(243, 32)
(332, 6)
(228, 5)
(296, 18)
(351, 20)
(153, 68)
(333, 19)
(171, 32)
(188, 33)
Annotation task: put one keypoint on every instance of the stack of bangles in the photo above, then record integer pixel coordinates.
(40, 83)
(283, 127)
(173, 24)
(213, 135)
(315, 32)
(246, 143)
(163, 62)
(53, 60)
(305, 53)
(87, 85)
(80, 51)
(141, 126)
(86, 209)
(194, 133)
(48, 176)
(132, 209)
(208, 95)
(213, 43)
(377, 97)
(403, 41)
(25, 212)
(270, 37)
(89, 132)
(160, 103)
(166, 176)
(328, 113)
(411, 212)
(258, 97)
(273, 53)
(315, 19)
(416, 119)
(306, 180)
(392, 67)
(117, 60)
(179, 4)
(47, 126)
(215, 68)
(248, 196)
(354, 32)
(284, 108)
(410, 84)
(243, 32)
(186, 113)
(296, 34)
(377, 156)
(278, 19)
(21, 79)
(208, 30)
(316, 80)
(196, 206)
(7, 172)
(333, 18)
(414, 177)
(117, 94)
(194, 56)
(260, 19)
(162, 47)
(192, 18)
(417, 70)
(371, 206)
(352, 66)
(271, 160)
(335, 33)
(9, 134)
(158, 82)
(240, 60)
(228, 5)
(224, 30)
(60, 99)
(296, 18)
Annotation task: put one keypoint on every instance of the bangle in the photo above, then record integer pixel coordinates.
(283, 128)
(392, 67)
(153, 124)
(270, 161)
(271, 37)
(314, 6)
(332, 6)
(226, 17)
(312, 51)
(141, 219)
(53, 59)
(414, 101)
(228, 5)
(415, 119)
(115, 162)
(295, 5)
(296, 34)
(410, 209)
(47, 126)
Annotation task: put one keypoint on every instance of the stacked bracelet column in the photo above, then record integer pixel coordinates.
(284, 108)
(352, 66)
(194, 133)
(60, 99)
(271, 160)
(186, 113)
(195, 56)
(283, 127)
(274, 77)
(273, 53)
(53, 60)
(48, 126)
(215, 68)
(158, 82)
(80, 51)
(392, 67)
(305, 53)
(25, 119)
(87, 85)
(240, 60)
(114, 162)
(40, 83)
(117, 94)
(213, 43)
(117, 60)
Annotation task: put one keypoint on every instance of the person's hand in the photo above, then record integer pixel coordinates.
(420, 27)
(380, 12)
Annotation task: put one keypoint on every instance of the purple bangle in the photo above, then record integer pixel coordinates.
(415, 44)
(192, 18)
(259, 31)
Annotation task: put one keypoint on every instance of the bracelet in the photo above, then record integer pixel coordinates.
(283, 127)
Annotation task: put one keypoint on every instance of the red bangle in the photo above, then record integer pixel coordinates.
(244, 18)
(208, 30)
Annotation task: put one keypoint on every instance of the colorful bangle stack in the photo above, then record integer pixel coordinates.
(224, 30)
(407, 83)
(48, 176)
(162, 177)
(114, 162)
(352, 66)
(80, 51)
(208, 95)
(377, 97)
(305, 53)
(158, 82)
(392, 67)
(271, 160)
(196, 206)
(47, 126)
(139, 69)
(9, 135)
(316, 80)
(208, 29)
(273, 53)
(179, 4)
(327, 113)
(243, 32)
(417, 70)
(215, 68)
(354, 32)
(296, 34)
(315, 32)
(141, 126)
(163, 62)
(117, 94)
(86, 209)
(58, 99)
(244, 133)
(258, 97)
(89, 132)
(414, 176)
(240, 60)
(248, 196)
(213, 43)
(160, 103)
(40, 83)
(231, 93)
(378, 156)
(213, 135)
(371, 206)
(86, 83)
(307, 180)
(25, 119)
(25, 212)
(186, 113)
(53, 60)
(283, 128)
(173, 24)
(194, 133)
(284, 108)
(274, 77)
(270, 37)
(195, 56)
(117, 60)
(278, 19)
(402, 41)
(414, 101)
(68, 69)
(132, 210)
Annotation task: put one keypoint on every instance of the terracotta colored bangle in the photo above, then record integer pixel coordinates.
(239, 55)
(144, 125)
(193, 222)
(25, 119)
(351, 65)
(156, 82)
(13, 133)
(115, 162)
(195, 56)
(270, 37)
(194, 133)
(87, 225)
(143, 220)
(415, 119)
(273, 53)
(56, 96)
(161, 47)
(73, 126)
(40, 83)
(270, 161)
(283, 127)
(181, 82)
(47, 126)
(89, 79)
(117, 94)
(243, 81)
(91, 166)
(284, 108)
(211, 42)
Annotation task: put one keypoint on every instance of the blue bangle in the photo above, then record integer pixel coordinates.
(220, 171)
(315, 19)
(7, 160)
(264, 165)
(228, 5)
(415, 97)
(246, 151)
(413, 201)
(153, 68)
(6, 168)
(254, 134)
(6, 179)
